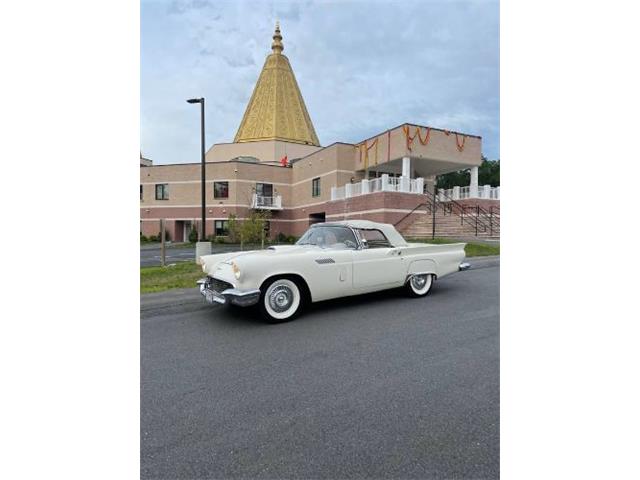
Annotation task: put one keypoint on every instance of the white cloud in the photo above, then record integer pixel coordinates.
(362, 67)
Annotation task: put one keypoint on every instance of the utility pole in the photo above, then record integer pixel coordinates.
(162, 249)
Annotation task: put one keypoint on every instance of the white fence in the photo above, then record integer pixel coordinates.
(267, 203)
(460, 193)
(385, 183)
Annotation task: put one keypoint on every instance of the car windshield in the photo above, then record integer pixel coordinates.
(329, 237)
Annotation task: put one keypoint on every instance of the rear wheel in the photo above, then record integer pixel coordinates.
(419, 285)
(280, 300)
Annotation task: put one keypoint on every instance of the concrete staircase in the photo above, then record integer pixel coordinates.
(449, 224)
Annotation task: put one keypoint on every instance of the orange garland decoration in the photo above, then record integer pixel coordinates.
(364, 149)
(410, 139)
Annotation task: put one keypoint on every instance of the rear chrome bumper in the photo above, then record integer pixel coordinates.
(464, 266)
(242, 298)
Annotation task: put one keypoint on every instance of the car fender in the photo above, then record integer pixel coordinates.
(422, 266)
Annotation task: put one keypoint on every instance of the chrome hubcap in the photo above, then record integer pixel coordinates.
(418, 281)
(281, 298)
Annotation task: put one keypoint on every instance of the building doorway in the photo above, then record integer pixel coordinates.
(316, 218)
(186, 231)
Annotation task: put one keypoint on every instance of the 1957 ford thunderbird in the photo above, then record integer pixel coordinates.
(330, 260)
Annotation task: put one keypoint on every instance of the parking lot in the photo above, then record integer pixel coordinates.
(379, 385)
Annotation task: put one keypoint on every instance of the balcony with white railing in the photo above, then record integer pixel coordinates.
(266, 203)
(461, 193)
(385, 183)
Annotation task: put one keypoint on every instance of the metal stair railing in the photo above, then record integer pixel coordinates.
(482, 221)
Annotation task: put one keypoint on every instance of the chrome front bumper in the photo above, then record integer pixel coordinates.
(243, 298)
(464, 266)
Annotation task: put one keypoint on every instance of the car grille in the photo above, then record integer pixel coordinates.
(218, 285)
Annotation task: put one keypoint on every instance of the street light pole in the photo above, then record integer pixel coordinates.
(203, 238)
(203, 230)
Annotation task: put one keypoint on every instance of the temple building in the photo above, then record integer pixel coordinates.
(276, 163)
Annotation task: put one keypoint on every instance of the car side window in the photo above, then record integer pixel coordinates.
(374, 238)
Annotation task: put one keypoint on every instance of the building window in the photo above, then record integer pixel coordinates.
(264, 189)
(221, 228)
(315, 187)
(162, 191)
(140, 192)
(220, 189)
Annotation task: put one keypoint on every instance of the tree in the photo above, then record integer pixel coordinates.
(488, 174)
(234, 229)
(253, 227)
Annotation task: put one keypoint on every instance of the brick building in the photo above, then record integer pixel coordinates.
(382, 178)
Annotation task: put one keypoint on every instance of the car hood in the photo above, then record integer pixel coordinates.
(210, 262)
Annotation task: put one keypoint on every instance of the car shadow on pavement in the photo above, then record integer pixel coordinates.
(243, 317)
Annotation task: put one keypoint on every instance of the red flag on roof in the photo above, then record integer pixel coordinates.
(284, 161)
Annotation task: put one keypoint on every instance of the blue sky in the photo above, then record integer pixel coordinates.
(362, 67)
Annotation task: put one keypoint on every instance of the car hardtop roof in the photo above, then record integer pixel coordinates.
(387, 229)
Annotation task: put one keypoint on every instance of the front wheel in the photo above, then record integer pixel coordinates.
(280, 300)
(419, 285)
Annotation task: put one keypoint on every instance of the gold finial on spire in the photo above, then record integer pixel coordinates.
(277, 46)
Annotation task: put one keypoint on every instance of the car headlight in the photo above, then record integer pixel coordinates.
(236, 270)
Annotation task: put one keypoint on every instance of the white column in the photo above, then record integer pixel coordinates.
(498, 193)
(456, 193)
(473, 186)
(406, 167)
(419, 185)
(486, 191)
(405, 184)
(365, 187)
(385, 182)
(333, 193)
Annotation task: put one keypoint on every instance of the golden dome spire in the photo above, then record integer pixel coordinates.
(276, 110)
(277, 46)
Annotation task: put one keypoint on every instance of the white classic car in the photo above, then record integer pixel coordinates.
(330, 260)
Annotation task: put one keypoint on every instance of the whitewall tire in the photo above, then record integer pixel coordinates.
(419, 285)
(280, 300)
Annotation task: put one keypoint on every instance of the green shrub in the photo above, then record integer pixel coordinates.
(292, 239)
(220, 239)
(193, 235)
(143, 238)
(154, 238)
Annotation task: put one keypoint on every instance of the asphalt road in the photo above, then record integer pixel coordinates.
(376, 386)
